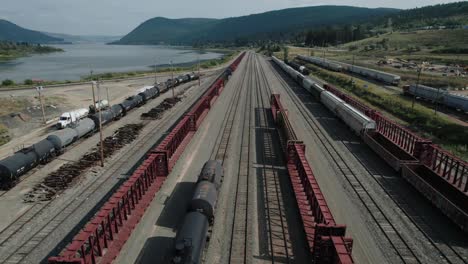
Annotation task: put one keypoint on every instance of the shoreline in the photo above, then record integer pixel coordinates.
(125, 75)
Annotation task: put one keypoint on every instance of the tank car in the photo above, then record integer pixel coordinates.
(84, 127)
(61, 139)
(12, 167)
(118, 111)
(204, 199)
(131, 102)
(212, 171)
(44, 150)
(106, 117)
(191, 238)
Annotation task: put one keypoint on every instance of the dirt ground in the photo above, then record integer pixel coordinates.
(21, 114)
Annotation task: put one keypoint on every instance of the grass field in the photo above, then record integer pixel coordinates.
(415, 46)
(4, 136)
(422, 41)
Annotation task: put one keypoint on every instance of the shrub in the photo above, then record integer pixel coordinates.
(7, 82)
(28, 82)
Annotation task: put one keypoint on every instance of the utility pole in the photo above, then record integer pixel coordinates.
(155, 75)
(94, 96)
(39, 89)
(172, 76)
(417, 86)
(100, 124)
(107, 92)
(199, 75)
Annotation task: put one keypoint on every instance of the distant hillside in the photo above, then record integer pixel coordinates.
(448, 15)
(454, 15)
(15, 33)
(435, 41)
(83, 39)
(274, 25)
(164, 30)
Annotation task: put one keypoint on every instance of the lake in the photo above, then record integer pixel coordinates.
(79, 59)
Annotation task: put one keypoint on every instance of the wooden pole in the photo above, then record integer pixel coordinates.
(39, 88)
(199, 75)
(417, 86)
(100, 125)
(172, 74)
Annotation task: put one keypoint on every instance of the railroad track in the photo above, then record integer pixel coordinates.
(23, 235)
(445, 252)
(223, 138)
(280, 247)
(405, 252)
(240, 237)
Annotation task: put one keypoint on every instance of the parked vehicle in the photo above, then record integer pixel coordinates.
(72, 117)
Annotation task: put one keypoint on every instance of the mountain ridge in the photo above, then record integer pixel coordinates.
(160, 30)
(11, 32)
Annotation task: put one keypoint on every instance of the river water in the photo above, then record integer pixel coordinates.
(79, 59)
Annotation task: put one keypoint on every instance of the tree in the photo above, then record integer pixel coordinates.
(285, 53)
(7, 82)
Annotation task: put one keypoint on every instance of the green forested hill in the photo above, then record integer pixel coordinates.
(164, 30)
(276, 25)
(437, 15)
(453, 15)
(15, 33)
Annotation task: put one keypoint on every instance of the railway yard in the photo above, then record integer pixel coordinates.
(300, 182)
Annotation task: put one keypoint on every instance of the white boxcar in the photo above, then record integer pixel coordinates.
(456, 101)
(356, 120)
(321, 62)
(331, 101)
(371, 73)
(427, 92)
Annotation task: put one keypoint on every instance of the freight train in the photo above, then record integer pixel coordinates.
(191, 237)
(12, 167)
(363, 71)
(455, 101)
(301, 68)
(357, 121)
(423, 164)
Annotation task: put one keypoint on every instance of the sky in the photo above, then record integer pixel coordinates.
(118, 17)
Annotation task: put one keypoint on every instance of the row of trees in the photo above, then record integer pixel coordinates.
(8, 46)
(336, 35)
